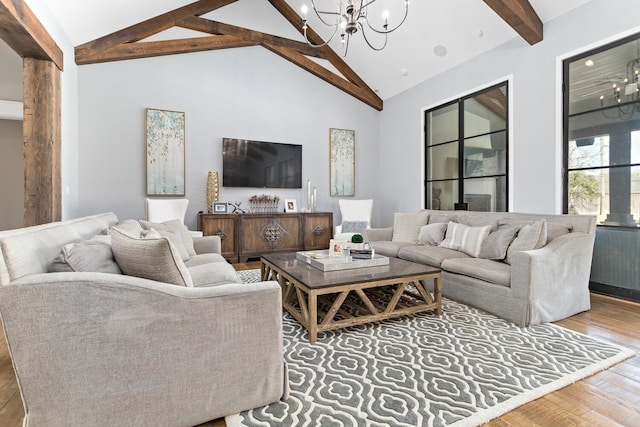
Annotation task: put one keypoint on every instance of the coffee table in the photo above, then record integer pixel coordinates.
(323, 301)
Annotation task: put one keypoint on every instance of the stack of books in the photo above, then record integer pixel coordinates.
(362, 253)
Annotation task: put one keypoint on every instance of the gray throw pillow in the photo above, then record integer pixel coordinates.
(152, 257)
(176, 239)
(354, 226)
(93, 255)
(530, 236)
(466, 239)
(496, 244)
(175, 226)
(432, 234)
(406, 226)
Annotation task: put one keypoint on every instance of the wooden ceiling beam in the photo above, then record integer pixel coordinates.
(165, 47)
(330, 55)
(214, 27)
(352, 89)
(521, 16)
(24, 33)
(87, 51)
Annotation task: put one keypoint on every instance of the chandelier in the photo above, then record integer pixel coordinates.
(626, 93)
(349, 17)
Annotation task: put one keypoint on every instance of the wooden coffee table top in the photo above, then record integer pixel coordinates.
(314, 278)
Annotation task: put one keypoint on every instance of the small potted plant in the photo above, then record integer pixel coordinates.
(356, 241)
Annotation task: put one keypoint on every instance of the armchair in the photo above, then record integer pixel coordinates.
(356, 217)
(161, 210)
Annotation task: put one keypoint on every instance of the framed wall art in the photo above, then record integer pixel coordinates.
(165, 148)
(342, 167)
(219, 207)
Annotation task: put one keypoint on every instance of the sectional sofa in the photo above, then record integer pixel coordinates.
(177, 340)
(525, 268)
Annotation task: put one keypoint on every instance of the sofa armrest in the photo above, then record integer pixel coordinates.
(207, 245)
(555, 278)
(121, 350)
(377, 234)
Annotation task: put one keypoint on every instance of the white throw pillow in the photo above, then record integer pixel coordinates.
(406, 226)
(466, 239)
(152, 257)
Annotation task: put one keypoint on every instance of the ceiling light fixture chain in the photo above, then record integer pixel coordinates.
(350, 17)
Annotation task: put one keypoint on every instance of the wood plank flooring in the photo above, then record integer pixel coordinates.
(609, 398)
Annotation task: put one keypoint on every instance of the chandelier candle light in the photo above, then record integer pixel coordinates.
(350, 17)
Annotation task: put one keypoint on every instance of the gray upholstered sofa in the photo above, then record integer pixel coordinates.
(525, 268)
(98, 348)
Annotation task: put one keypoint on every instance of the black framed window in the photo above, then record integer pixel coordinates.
(602, 133)
(466, 150)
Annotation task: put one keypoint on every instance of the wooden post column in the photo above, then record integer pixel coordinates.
(42, 142)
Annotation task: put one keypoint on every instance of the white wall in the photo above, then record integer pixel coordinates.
(239, 93)
(536, 145)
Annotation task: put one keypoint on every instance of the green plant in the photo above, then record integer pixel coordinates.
(357, 238)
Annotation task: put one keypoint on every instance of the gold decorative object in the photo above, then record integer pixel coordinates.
(213, 190)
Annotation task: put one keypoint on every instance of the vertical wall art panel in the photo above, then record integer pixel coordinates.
(342, 172)
(165, 147)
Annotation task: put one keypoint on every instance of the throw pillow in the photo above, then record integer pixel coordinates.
(153, 257)
(354, 226)
(406, 226)
(176, 240)
(463, 238)
(93, 255)
(478, 220)
(432, 234)
(174, 226)
(497, 243)
(530, 236)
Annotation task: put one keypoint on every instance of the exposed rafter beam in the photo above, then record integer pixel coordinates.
(213, 27)
(521, 16)
(85, 53)
(127, 44)
(24, 33)
(326, 75)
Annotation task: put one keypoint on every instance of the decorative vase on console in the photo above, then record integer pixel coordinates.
(213, 190)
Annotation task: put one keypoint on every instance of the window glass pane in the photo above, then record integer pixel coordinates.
(604, 79)
(442, 195)
(443, 161)
(635, 147)
(589, 152)
(613, 195)
(442, 125)
(486, 112)
(486, 194)
(485, 155)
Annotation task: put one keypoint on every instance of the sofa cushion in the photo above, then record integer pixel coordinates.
(93, 255)
(464, 238)
(175, 226)
(554, 229)
(205, 258)
(354, 226)
(478, 220)
(153, 257)
(406, 226)
(214, 273)
(435, 218)
(497, 243)
(530, 236)
(390, 249)
(432, 234)
(481, 269)
(429, 255)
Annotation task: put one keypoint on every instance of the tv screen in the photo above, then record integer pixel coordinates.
(261, 164)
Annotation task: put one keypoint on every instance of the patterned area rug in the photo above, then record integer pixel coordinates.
(461, 369)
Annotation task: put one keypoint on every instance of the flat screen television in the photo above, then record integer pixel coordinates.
(260, 164)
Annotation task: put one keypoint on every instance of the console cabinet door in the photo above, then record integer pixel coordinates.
(224, 226)
(318, 229)
(265, 233)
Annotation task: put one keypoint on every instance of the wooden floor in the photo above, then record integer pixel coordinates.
(609, 398)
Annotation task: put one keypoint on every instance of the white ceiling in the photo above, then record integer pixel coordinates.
(465, 27)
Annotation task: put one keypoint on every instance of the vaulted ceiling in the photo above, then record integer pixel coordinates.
(121, 29)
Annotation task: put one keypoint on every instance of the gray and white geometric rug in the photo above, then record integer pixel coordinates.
(461, 369)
